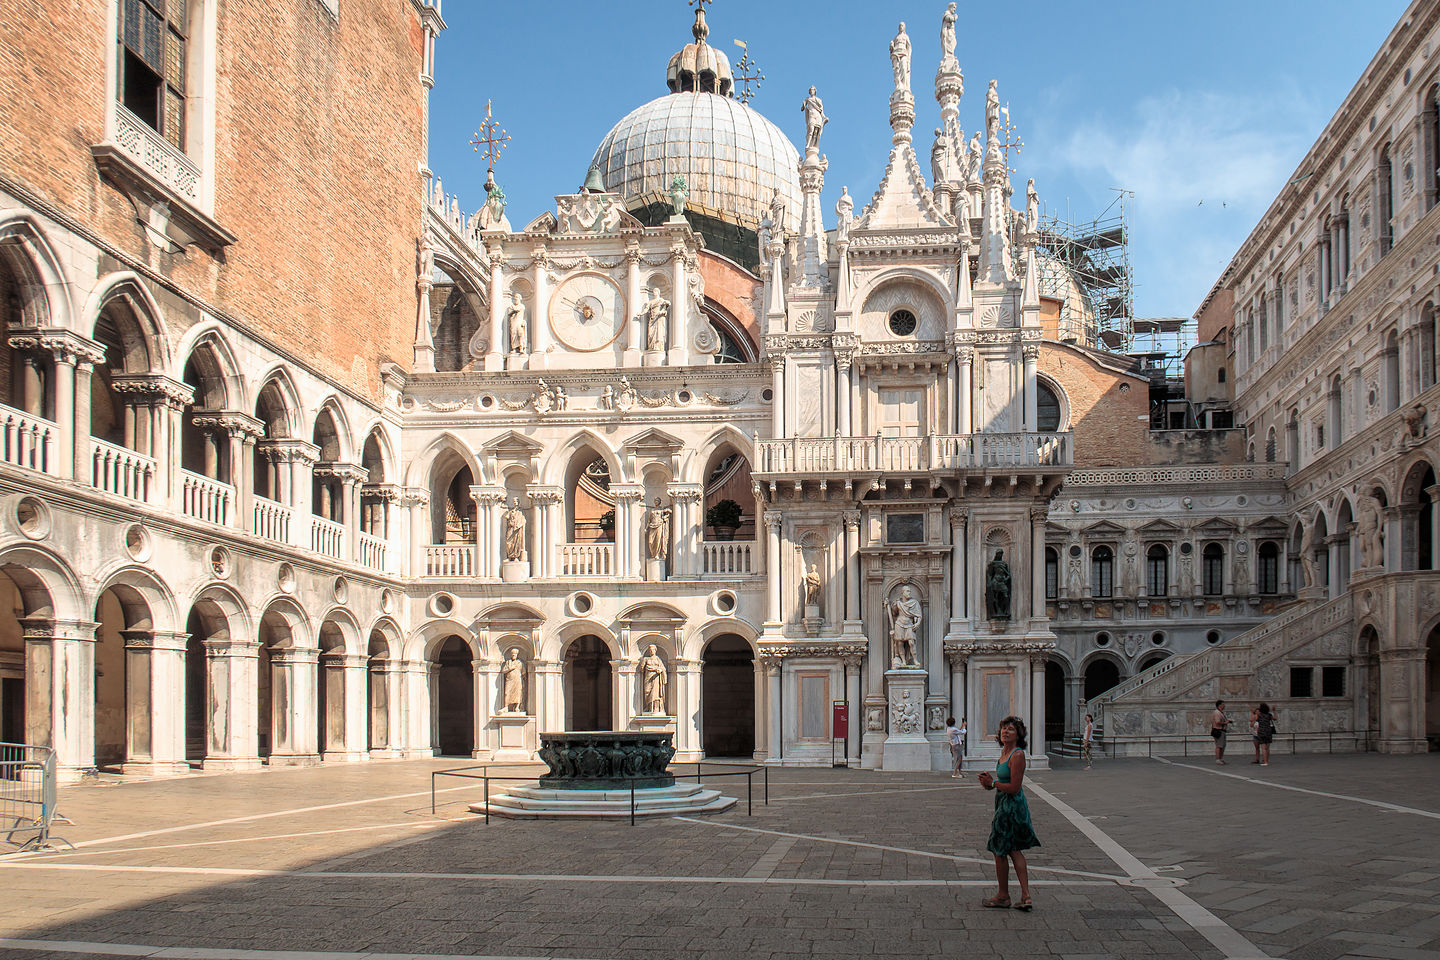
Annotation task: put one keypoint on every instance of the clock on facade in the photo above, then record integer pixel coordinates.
(587, 312)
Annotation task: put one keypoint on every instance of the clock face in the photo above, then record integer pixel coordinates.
(587, 312)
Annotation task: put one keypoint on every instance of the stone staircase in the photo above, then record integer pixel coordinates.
(1072, 747)
(1175, 698)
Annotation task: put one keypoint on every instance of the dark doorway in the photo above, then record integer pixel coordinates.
(1100, 676)
(264, 715)
(1055, 714)
(12, 710)
(587, 672)
(1432, 689)
(727, 698)
(455, 700)
(195, 688)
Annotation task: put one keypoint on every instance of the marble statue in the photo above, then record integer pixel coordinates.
(763, 235)
(940, 156)
(844, 213)
(515, 531)
(947, 32)
(900, 59)
(906, 716)
(492, 212)
(517, 324)
(512, 681)
(812, 587)
(1032, 207)
(815, 120)
(974, 154)
(904, 615)
(562, 399)
(653, 680)
(997, 588)
(1307, 555)
(678, 195)
(777, 214)
(992, 112)
(657, 531)
(657, 315)
(607, 398)
(1369, 526)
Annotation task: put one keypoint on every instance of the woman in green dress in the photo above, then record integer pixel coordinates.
(1010, 830)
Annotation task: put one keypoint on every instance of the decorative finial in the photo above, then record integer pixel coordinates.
(743, 74)
(493, 138)
(1010, 140)
(701, 29)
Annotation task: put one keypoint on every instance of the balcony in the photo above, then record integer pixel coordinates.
(120, 471)
(450, 560)
(372, 552)
(26, 440)
(205, 499)
(727, 558)
(271, 520)
(587, 560)
(327, 537)
(936, 452)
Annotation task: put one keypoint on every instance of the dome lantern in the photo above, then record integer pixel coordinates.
(699, 67)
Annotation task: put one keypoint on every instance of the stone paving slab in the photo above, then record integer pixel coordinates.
(349, 860)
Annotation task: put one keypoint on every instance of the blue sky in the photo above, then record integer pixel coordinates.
(1202, 109)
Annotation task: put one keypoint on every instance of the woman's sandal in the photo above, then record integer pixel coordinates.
(999, 903)
(1024, 904)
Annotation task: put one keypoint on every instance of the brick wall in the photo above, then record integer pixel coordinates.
(1110, 423)
(735, 289)
(318, 142)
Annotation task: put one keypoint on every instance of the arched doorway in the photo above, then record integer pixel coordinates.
(1367, 662)
(1055, 712)
(1150, 660)
(330, 690)
(377, 694)
(455, 699)
(1432, 688)
(110, 686)
(12, 662)
(727, 698)
(200, 629)
(588, 694)
(1101, 674)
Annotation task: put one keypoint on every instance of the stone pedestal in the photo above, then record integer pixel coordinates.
(515, 361)
(654, 570)
(515, 571)
(517, 736)
(906, 747)
(653, 723)
(813, 621)
(1311, 593)
(654, 358)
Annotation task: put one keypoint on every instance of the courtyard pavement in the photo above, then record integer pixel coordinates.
(1311, 858)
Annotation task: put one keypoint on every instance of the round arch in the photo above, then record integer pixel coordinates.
(932, 284)
(555, 467)
(48, 587)
(287, 622)
(695, 642)
(426, 640)
(143, 585)
(43, 288)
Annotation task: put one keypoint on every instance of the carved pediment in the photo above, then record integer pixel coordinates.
(513, 446)
(545, 223)
(654, 443)
(1104, 529)
(1160, 528)
(511, 615)
(651, 615)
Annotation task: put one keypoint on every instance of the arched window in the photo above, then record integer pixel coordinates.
(1102, 571)
(1213, 569)
(1047, 408)
(1157, 570)
(1250, 336)
(1425, 355)
(1392, 372)
(1430, 124)
(1279, 305)
(1264, 323)
(734, 344)
(1052, 574)
(1337, 419)
(1220, 375)
(1385, 186)
(1270, 445)
(1269, 568)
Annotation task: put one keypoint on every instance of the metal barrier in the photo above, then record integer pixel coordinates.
(1177, 744)
(747, 771)
(28, 795)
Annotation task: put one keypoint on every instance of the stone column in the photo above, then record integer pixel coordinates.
(777, 396)
(346, 720)
(83, 447)
(154, 702)
(843, 425)
(762, 710)
(952, 396)
(1434, 494)
(540, 317)
(685, 674)
(1032, 356)
(1037, 703)
(60, 691)
(957, 685)
(293, 719)
(966, 356)
(635, 335)
(387, 731)
(774, 566)
(679, 301)
(32, 385)
(1038, 513)
(417, 708)
(1336, 586)
(774, 675)
(686, 499)
(232, 737)
(550, 695)
(494, 357)
(853, 665)
(958, 612)
(483, 673)
(852, 571)
(67, 440)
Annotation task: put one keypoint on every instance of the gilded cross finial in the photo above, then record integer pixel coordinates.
(743, 76)
(492, 137)
(1009, 139)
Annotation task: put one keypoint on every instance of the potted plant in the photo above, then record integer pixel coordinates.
(607, 524)
(724, 519)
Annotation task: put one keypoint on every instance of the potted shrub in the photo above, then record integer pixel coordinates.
(724, 519)
(607, 525)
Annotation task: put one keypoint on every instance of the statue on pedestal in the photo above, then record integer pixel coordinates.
(900, 59)
(947, 32)
(515, 531)
(1307, 555)
(1370, 525)
(904, 616)
(512, 681)
(657, 531)
(815, 120)
(812, 587)
(516, 324)
(657, 315)
(652, 681)
(997, 588)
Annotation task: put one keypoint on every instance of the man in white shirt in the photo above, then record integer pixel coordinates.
(957, 745)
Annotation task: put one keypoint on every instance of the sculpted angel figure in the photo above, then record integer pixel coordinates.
(900, 59)
(904, 616)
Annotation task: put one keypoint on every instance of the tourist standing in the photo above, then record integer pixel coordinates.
(956, 735)
(1264, 733)
(1010, 829)
(1088, 739)
(1218, 723)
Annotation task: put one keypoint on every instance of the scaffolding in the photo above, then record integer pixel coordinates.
(1091, 278)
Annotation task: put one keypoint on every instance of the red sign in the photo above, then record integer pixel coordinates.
(840, 720)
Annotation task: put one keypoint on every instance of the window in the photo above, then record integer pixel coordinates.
(1302, 681)
(1157, 570)
(1385, 187)
(1279, 305)
(1221, 419)
(902, 323)
(1047, 408)
(1220, 375)
(1270, 446)
(1052, 574)
(1332, 681)
(1213, 560)
(905, 528)
(1264, 323)
(1430, 122)
(1213, 637)
(1102, 572)
(153, 47)
(1269, 569)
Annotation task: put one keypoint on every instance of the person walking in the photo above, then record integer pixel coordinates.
(1218, 724)
(956, 736)
(1254, 728)
(1087, 740)
(1264, 732)
(1010, 830)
